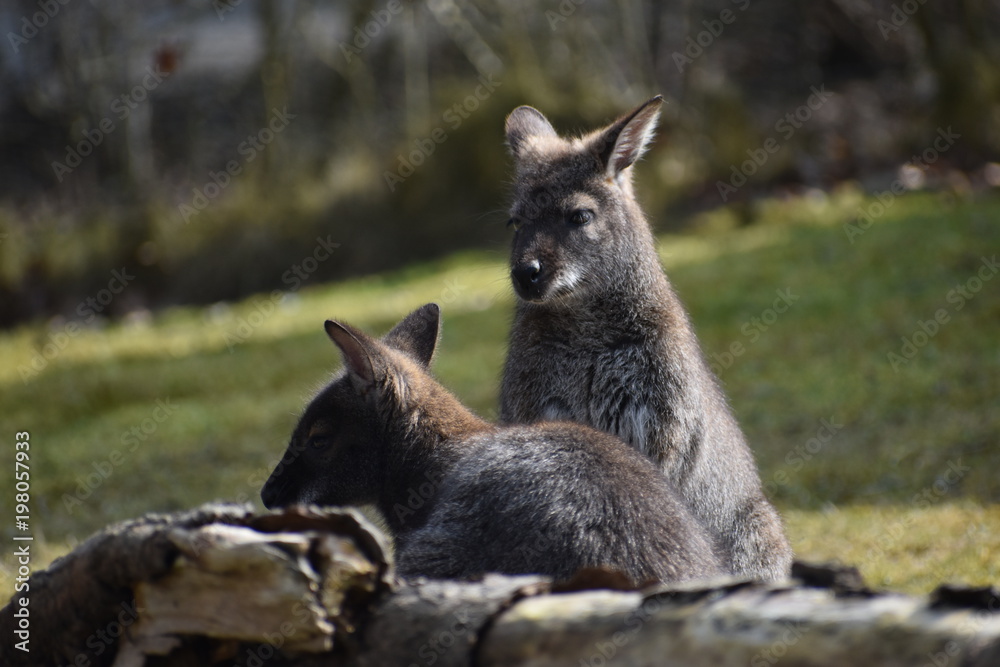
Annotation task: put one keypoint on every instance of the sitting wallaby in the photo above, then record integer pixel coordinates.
(600, 338)
(463, 497)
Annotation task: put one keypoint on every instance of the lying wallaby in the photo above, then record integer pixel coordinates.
(600, 338)
(463, 497)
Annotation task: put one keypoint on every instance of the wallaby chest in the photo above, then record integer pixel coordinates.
(608, 377)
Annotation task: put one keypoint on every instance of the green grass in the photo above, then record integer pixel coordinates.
(903, 482)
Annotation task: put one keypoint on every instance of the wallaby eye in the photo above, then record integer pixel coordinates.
(581, 216)
(515, 223)
(318, 442)
(318, 438)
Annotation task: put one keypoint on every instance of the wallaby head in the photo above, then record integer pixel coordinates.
(339, 451)
(576, 222)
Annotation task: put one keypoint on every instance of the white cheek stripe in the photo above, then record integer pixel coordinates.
(567, 279)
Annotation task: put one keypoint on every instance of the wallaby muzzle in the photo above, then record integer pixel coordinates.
(273, 495)
(529, 279)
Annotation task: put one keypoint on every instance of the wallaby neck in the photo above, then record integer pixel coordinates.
(421, 450)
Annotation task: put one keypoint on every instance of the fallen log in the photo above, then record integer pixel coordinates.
(306, 587)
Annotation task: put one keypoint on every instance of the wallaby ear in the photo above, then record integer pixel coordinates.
(625, 140)
(356, 357)
(524, 122)
(417, 334)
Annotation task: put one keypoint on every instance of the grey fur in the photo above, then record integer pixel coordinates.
(463, 497)
(600, 338)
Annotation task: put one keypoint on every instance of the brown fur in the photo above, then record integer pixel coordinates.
(463, 497)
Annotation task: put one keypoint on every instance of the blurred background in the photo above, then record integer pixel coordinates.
(189, 188)
(118, 121)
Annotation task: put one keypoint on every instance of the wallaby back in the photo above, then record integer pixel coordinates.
(463, 497)
(553, 498)
(600, 338)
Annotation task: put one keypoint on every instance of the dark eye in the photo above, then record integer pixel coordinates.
(581, 216)
(515, 223)
(318, 442)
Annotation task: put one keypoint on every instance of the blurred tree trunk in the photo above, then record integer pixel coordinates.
(964, 60)
(637, 29)
(416, 75)
(275, 77)
(452, 16)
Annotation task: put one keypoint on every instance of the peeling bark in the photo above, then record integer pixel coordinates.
(308, 587)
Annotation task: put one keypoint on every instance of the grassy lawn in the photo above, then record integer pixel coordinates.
(887, 462)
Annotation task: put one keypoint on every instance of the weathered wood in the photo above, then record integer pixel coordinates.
(220, 572)
(745, 625)
(438, 622)
(232, 582)
(311, 587)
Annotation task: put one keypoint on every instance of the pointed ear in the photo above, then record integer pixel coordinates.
(625, 140)
(523, 123)
(356, 357)
(417, 334)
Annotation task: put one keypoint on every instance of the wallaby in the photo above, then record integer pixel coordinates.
(463, 497)
(600, 338)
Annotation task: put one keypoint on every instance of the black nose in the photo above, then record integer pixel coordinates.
(527, 276)
(267, 496)
(271, 493)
